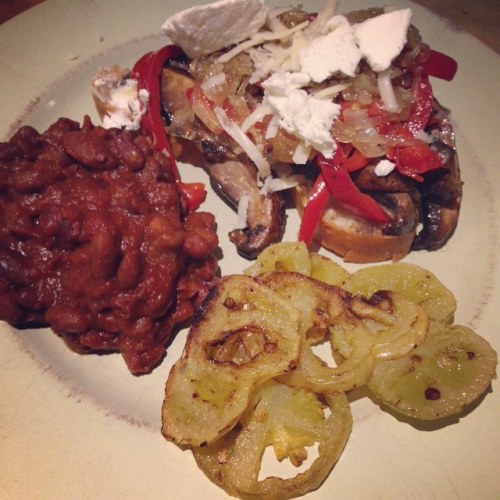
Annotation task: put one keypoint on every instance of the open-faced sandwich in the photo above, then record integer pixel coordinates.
(336, 109)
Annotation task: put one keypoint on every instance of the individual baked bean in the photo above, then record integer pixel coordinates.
(13, 268)
(67, 318)
(30, 178)
(27, 140)
(129, 268)
(9, 151)
(90, 149)
(129, 153)
(199, 242)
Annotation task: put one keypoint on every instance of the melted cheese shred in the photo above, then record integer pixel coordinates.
(235, 132)
(386, 90)
(260, 38)
(256, 116)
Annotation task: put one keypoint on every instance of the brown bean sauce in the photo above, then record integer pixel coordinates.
(95, 242)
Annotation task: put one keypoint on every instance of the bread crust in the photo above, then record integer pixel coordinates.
(360, 241)
(354, 239)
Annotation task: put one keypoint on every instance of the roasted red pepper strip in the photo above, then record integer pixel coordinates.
(440, 65)
(346, 193)
(334, 180)
(422, 105)
(313, 210)
(147, 71)
(356, 160)
(415, 160)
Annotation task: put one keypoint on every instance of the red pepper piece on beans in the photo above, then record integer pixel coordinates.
(147, 71)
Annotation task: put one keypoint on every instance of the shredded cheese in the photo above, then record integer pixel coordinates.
(320, 23)
(258, 39)
(256, 116)
(272, 128)
(213, 82)
(387, 91)
(244, 141)
(273, 23)
(267, 59)
(273, 184)
(332, 91)
(301, 153)
(242, 211)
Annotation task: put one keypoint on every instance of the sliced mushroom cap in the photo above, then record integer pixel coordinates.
(440, 221)
(367, 180)
(442, 190)
(444, 183)
(404, 212)
(265, 218)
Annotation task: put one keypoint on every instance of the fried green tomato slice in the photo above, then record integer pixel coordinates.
(396, 323)
(324, 308)
(441, 376)
(244, 334)
(284, 256)
(319, 304)
(290, 420)
(416, 283)
(327, 271)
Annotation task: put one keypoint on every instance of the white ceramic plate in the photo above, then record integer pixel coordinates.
(82, 427)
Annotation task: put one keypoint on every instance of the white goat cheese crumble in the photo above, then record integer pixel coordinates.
(204, 29)
(125, 104)
(384, 167)
(301, 114)
(332, 53)
(381, 38)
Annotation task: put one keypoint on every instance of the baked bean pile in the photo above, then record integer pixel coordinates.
(95, 242)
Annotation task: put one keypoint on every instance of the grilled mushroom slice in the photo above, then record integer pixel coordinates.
(442, 191)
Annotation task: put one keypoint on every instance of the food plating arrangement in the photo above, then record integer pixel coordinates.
(329, 117)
